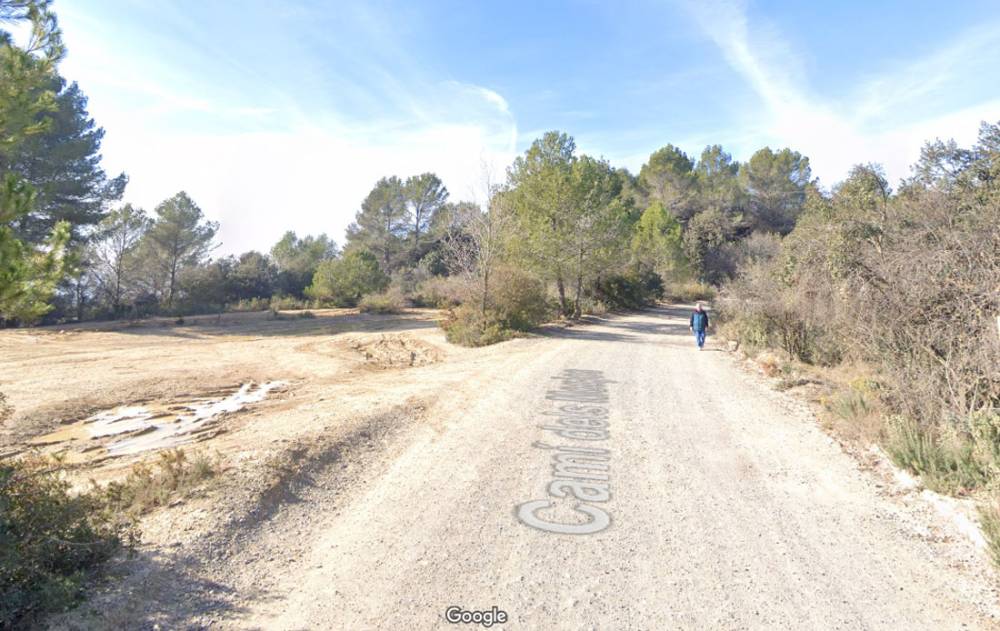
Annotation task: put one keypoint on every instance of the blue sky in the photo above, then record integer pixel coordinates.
(281, 115)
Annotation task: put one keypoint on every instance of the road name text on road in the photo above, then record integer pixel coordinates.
(581, 473)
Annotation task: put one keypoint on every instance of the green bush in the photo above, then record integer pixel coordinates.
(466, 326)
(345, 280)
(989, 519)
(984, 426)
(50, 539)
(691, 291)
(389, 301)
(592, 306)
(519, 301)
(849, 405)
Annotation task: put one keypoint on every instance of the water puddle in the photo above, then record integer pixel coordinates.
(133, 429)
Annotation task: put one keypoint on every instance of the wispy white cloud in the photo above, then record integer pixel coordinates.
(264, 157)
(972, 56)
(885, 119)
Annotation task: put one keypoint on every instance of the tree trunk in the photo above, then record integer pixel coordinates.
(579, 285)
(170, 290)
(117, 303)
(79, 299)
(563, 308)
(416, 235)
(486, 290)
(576, 302)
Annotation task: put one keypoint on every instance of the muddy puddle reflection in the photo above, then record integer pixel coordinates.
(133, 429)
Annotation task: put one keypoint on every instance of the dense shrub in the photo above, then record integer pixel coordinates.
(440, 292)
(50, 539)
(467, 326)
(389, 301)
(761, 312)
(946, 459)
(690, 291)
(407, 280)
(345, 280)
(908, 285)
(519, 301)
(630, 290)
(250, 304)
(289, 303)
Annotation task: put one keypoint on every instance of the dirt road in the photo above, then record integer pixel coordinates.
(729, 508)
(395, 476)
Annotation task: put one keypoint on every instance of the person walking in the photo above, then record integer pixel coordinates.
(699, 325)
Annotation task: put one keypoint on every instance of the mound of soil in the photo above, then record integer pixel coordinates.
(395, 351)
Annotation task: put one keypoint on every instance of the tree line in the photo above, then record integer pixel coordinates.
(559, 223)
(558, 234)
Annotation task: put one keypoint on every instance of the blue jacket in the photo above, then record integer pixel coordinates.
(699, 320)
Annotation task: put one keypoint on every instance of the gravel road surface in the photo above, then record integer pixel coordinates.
(726, 507)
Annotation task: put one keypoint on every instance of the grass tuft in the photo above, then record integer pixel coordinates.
(946, 464)
(172, 476)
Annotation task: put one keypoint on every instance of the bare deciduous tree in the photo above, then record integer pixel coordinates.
(478, 249)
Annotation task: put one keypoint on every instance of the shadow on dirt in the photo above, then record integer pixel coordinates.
(154, 590)
(630, 331)
(259, 324)
(172, 589)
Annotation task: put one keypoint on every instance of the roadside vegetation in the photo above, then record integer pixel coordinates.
(51, 539)
(54, 539)
(898, 294)
(172, 477)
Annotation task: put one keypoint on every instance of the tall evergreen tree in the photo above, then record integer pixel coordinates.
(718, 183)
(657, 239)
(542, 192)
(63, 164)
(382, 224)
(598, 222)
(28, 275)
(180, 236)
(425, 195)
(668, 178)
(775, 184)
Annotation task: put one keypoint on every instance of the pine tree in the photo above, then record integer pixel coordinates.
(28, 275)
(382, 224)
(425, 196)
(180, 236)
(63, 164)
